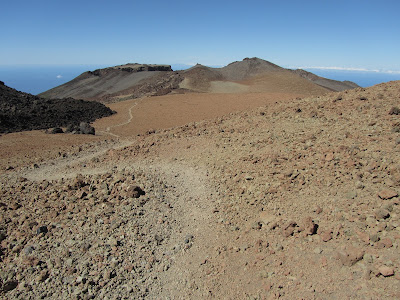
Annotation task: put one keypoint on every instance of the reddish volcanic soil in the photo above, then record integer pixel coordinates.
(294, 199)
(168, 111)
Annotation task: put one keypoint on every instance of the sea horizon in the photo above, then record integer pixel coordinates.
(36, 79)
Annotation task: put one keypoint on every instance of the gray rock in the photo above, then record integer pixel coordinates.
(28, 250)
(85, 128)
(382, 213)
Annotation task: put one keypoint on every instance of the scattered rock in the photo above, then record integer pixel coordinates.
(326, 236)
(386, 271)
(134, 191)
(394, 111)
(42, 229)
(381, 214)
(43, 275)
(309, 226)
(350, 255)
(387, 194)
(85, 128)
(28, 250)
(9, 285)
(289, 228)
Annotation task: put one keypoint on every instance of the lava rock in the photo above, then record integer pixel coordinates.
(42, 229)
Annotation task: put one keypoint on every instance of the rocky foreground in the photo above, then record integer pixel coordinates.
(297, 200)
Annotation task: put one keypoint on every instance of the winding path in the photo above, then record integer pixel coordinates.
(107, 131)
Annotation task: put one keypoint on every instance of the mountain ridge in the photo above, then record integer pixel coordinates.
(135, 80)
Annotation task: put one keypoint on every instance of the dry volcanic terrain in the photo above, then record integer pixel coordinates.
(289, 200)
(251, 75)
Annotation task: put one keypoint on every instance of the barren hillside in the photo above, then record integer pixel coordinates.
(290, 200)
(132, 81)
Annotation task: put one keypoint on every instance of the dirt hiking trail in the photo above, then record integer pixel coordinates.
(292, 200)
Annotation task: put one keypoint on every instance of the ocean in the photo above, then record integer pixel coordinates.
(36, 79)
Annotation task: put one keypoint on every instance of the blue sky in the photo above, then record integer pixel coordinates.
(344, 34)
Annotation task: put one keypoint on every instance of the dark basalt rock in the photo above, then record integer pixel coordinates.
(22, 111)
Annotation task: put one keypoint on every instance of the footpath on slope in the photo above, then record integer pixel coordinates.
(290, 200)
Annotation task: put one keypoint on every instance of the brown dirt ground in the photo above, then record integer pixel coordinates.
(168, 111)
(290, 200)
(29, 147)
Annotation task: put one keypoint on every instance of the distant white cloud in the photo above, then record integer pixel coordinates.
(59, 76)
(350, 69)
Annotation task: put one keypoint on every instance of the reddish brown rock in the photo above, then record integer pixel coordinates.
(386, 271)
(289, 228)
(134, 191)
(387, 194)
(350, 255)
(385, 243)
(326, 236)
(329, 156)
(309, 226)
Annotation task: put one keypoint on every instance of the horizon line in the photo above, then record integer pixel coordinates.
(350, 69)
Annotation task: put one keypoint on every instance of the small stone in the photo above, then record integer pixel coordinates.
(10, 285)
(81, 279)
(289, 228)
(387, 243)
(134, 191)
(188, 238)
(256, 225)
(326, 236)
(309, 226)
(382, 214)
(113, 242)
(42, 229)
(374, 238)
(3, 236)
(387, 194)
(318, 209)
(386, 271)
(350, 256)
(359, 185)
(28, 250)
(43, 275)
(109, 274)
(394, 111)
(329, 157)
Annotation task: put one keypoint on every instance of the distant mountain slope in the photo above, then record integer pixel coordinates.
(251, 75)
(22, 111)
(248, 68)
(333, 85)
(101, 82)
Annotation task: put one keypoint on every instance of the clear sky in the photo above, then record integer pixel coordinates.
(360, 34)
